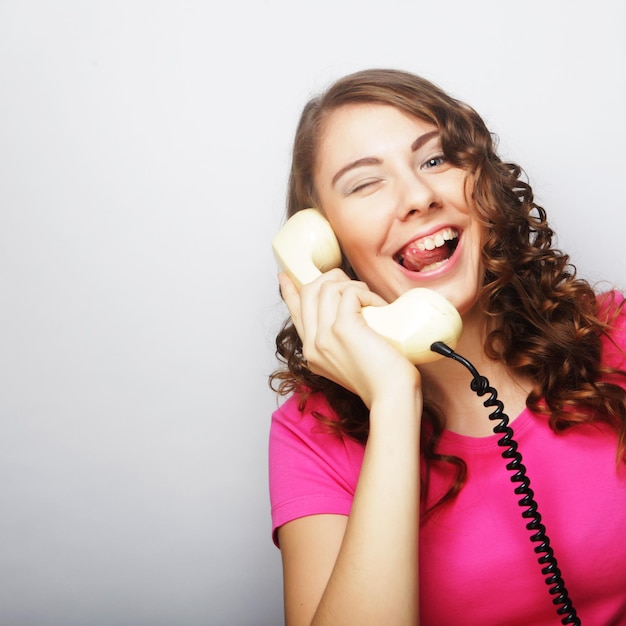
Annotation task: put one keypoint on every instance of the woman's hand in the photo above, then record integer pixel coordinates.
(337, 342)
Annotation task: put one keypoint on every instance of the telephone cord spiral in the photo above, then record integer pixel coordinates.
(480, 385)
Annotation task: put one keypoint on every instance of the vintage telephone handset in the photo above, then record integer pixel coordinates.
(306, 246)
(424, 326)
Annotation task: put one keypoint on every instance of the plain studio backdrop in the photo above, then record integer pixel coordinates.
(144, 148)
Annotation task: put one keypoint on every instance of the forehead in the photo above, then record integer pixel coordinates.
(360, 130)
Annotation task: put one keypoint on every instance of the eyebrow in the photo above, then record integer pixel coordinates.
(422, 139)
(354, 164)
(415, 146)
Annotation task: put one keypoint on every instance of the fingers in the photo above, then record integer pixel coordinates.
(336, 340)
(337, 310)
(326, 314)
(304, 305)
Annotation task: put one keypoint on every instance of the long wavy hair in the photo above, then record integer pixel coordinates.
(547, 322)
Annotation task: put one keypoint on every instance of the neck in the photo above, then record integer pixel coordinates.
(446, 383)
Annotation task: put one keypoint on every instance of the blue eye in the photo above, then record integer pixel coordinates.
(434, 162)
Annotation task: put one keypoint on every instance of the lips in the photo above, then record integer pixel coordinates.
(429, 252)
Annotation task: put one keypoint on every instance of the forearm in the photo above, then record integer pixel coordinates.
(374, 580)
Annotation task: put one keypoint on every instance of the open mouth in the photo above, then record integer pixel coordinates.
(430, 252)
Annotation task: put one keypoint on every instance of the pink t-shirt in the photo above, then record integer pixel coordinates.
(477, 563)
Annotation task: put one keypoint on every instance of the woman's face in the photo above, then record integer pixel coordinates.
(398, 208)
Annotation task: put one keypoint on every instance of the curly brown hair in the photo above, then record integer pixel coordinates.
(548, 322)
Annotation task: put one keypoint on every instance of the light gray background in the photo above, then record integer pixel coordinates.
(144, 147)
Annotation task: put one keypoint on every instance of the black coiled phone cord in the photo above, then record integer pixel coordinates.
(480, 385)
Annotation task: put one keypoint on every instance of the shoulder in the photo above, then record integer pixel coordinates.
(298, 420)
(298, 431)
(297, 413)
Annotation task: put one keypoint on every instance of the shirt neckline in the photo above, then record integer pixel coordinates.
(518, 425)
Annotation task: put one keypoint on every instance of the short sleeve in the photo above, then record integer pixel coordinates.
(312, 470)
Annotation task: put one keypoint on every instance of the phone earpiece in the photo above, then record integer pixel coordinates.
(306, 246)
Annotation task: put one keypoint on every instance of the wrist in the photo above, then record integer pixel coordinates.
(399, 400)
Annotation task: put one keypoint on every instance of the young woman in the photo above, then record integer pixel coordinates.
(391, 501)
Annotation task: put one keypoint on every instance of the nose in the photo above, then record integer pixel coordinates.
(416, 195)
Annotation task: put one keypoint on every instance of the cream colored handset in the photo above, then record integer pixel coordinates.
(306, 246)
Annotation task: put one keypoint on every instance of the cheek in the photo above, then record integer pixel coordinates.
(361, 259)
(474, 252)
(356, 256)
(355, 237)
(361, 247)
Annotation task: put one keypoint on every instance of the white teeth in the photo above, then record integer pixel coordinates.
(432, 266)
(438, 240)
